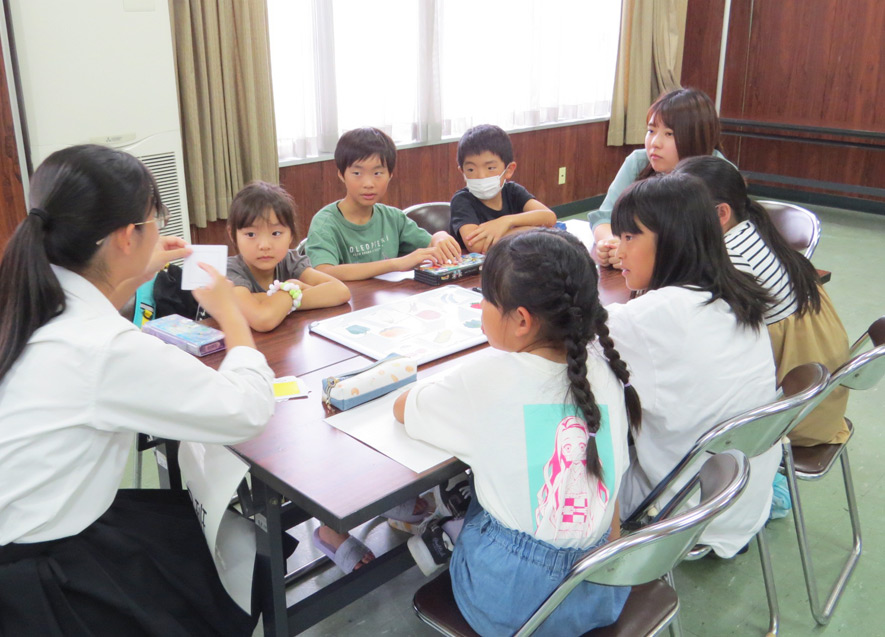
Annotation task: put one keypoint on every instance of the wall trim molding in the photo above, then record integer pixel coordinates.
(817, 198)
(574, 207)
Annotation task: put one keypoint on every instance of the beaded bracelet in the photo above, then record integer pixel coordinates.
(292, 289)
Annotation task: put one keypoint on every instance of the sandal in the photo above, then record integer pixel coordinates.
(349, 554)
(403, 517)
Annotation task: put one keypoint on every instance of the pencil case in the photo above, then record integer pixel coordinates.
(349, 390)
(194, 338)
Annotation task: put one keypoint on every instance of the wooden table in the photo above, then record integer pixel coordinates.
(323, 473)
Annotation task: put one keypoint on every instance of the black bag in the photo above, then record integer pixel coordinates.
(169, 298)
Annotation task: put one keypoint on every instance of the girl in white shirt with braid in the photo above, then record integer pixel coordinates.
(542, 421)
(77, 382)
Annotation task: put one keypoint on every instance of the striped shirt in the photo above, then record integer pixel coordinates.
(749, 253)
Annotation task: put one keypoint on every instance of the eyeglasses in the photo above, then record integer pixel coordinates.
(161, 217)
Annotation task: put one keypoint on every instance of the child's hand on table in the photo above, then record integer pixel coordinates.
(301, 284)
(447, 249)
(399, 406)
(419, 256)
(481, 245)
(488, 233)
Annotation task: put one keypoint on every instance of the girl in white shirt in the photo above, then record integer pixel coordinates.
(694, 341)
(77, 382)
(802, 322)
(543, 423)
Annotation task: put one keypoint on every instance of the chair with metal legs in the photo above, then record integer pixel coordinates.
(637, 560)
(863, 371)
(752, 433)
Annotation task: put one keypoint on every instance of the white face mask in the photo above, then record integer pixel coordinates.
(485, 188)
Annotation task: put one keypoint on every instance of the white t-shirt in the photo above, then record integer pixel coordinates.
(694, 368)
(86, 383)
(749, 253)
(504, 415)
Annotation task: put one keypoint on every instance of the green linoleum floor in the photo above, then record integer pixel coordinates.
(722, 597)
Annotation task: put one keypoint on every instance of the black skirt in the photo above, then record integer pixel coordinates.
(142, 568)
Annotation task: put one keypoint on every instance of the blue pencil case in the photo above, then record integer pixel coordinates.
(349, 390)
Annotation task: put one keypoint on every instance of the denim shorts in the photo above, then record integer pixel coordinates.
(500, 576)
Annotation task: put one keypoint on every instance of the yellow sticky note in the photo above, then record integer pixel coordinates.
(288, 387)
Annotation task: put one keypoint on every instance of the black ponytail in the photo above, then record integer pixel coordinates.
(803, 276)
(79, 196)
(726, 185)
(550, 274)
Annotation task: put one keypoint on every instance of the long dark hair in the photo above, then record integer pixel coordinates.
(78, 195)
(691, 115)
(550, 274)
(726, 185)
(690, 252)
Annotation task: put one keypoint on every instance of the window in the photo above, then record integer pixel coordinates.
(427, 70)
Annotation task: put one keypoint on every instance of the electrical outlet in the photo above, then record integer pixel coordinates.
(561, 175)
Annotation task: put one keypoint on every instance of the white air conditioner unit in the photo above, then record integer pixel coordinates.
(102, 71)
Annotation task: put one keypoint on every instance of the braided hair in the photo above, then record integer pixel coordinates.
(551, 275)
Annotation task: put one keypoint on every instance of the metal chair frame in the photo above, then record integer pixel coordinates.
(862, 371)
(649, 553)
(776, 208)
(752, 433)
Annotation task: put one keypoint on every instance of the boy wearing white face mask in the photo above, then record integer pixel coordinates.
(491, 207)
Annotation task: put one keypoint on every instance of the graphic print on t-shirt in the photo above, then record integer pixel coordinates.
(565, 500)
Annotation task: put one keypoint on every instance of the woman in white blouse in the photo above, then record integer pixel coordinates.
(77, 382)
(695, 343)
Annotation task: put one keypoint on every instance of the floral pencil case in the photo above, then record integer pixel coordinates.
(349, 390)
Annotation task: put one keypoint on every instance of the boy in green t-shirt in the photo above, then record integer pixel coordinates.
(357, 237)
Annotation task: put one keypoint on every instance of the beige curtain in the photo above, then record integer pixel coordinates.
(222, 58)
(649, 63)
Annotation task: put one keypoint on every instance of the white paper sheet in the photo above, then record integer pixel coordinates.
(396, 277)
(373, 424)
(426, 326)
(581, 229)
(212, 474)
(192, 275)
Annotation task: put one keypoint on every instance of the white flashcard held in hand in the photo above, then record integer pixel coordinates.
(192, 275)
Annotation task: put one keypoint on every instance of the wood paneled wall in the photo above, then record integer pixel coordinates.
(703, 38)
(430, 173)
(818, 63)
(12, 196)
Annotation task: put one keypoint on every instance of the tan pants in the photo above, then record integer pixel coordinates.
(817, 337)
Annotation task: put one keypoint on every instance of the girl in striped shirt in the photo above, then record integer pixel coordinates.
(802, 321)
